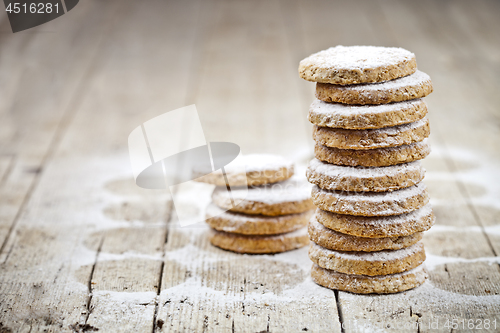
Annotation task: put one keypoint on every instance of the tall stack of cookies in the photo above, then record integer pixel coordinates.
(370, 132)
(266, 210)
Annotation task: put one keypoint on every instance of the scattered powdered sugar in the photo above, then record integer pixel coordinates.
(414, 80)
(335, 171)
(483, 172)
(357, 57)
(493, 230)
(194, 257)
(142, 298)
(385, 255)
(194, 288)
(338, 109)
(432, 260)
(191, 254)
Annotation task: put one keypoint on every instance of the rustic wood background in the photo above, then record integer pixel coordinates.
(83, 249)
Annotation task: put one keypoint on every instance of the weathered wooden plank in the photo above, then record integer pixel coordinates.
(87, 222)
(246, 80)
(205, 288)
(125, 279)
(38, 291)
(41, 79)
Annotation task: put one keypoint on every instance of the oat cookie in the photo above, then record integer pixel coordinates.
(372, 138)
(245, 224)
(337, 241)
(371, 203)
(368, 263)
(380, 226)
(373, 157)
(259, 244)
(260, 169)
(360, 179)
(289, 197)
(362, 284)
(410, 87)
(356, 117)
(357, 64)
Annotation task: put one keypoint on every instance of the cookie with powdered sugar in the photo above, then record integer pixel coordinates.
(362, 284)
(410, 87)
(371, 203)
(378, 157)
(360, 179)
(222, 220)
(333, 240)
(288, 197)
(378, 226)
(259, 244)
(368, 263)
(357, 64)
(356, 117)
(259, 169)
(372, 138)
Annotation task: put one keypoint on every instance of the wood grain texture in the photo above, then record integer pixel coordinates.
(83, 248)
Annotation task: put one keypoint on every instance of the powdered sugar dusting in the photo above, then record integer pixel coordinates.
(416, 79)
(385, 255)
(407, 219)
(319, 107)
(357, 57)
(432, 260)
(374, 197)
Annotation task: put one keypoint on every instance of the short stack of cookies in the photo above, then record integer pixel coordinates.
(370, 132)
(266, 213)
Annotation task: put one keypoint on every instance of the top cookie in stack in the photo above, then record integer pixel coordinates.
(370, 131)
(264, 210)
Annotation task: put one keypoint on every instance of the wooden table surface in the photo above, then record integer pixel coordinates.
(83, 249)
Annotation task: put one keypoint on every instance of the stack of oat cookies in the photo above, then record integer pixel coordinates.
(370, 132)
(266, 210)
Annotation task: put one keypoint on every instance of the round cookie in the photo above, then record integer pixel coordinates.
(410, 87)
(372, 138)
(359, 179)
(368, 263)
(373, 157)
(290, 197)
(356, 117)
(371, 203)
(245, 224)
(357, 64)
(362, 284)
(260, 169)
(380, 226)
(333, 240)
(260, 244)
